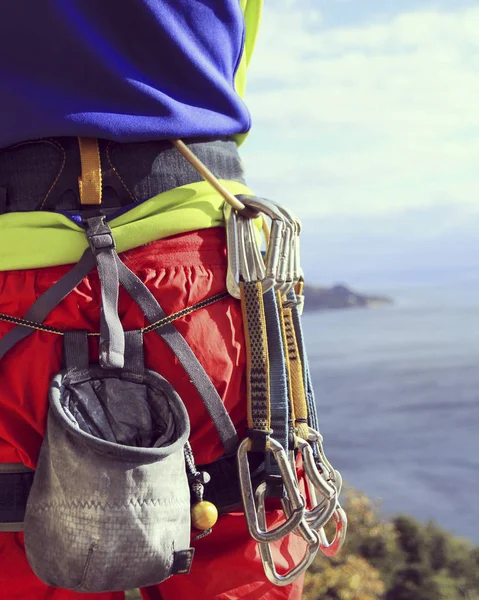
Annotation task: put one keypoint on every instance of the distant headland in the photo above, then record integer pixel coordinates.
(340, 297)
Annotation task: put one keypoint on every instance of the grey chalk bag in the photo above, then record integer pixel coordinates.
(109, 507)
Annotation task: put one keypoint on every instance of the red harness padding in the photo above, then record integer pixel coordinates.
(180, 271)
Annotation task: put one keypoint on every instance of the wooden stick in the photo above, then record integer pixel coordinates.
(207, 174)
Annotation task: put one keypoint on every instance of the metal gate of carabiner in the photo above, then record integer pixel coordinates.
(329, 488)
(258, 531)
(311, 537)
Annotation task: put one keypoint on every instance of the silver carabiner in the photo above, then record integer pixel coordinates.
(294, 267)
(311, 537)
(294, 271)
(252, 254)
(284, 281)
(274, 248)
(322, 511)
(334, 509)
(329, 509)
(316, 440)
(276, 213)
(332, 548)
(258, 532)
(318, 481)
(232, 274)
(247, 267)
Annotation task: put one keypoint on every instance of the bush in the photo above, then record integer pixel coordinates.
(399, 559)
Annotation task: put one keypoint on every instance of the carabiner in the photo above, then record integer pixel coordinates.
(284, 280)
(250, 255)
(258, 532)
(319, 515)
(318, 481)
(232, 274)
(294, 267)
(244, 257)
(274, 248)
(316, 522)
(316, 441)
(332, 548)
(322, 511)
(311, 537)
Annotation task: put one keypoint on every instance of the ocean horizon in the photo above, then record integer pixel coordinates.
(397, 392)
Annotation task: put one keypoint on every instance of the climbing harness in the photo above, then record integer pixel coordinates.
(117, 433)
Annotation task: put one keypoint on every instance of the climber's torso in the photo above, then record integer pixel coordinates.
(145, 70)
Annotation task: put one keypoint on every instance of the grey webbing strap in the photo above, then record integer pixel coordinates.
(76, 355)
(134, 354)
(48, 301)
(75, 349)
(112, 338)
(279, 399)
(211, 399)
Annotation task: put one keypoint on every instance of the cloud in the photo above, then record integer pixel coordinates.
(367, 118)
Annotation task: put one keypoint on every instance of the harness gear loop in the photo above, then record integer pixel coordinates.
(90, 181)
(297, 383)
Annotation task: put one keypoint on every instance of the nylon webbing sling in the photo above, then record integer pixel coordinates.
(278, 388)
(292, 415)
(260, 438)
(257, 356)
(296, 374)
(110, 334)
(308, 385)
(40, 309)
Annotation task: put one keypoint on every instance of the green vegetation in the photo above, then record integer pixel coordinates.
(400, 559)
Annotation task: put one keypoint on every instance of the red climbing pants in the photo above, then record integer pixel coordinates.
(180, 271)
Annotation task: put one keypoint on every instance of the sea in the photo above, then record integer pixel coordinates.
(397, 392)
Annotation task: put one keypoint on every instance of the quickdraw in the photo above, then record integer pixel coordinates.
(267, 288)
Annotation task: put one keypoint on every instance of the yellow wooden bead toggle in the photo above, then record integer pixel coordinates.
(204, 515)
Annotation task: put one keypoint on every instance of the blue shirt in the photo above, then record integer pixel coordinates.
(126, 70)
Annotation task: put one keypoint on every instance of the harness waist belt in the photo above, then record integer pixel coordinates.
(42, 175)
(223, 490)
(15, 483)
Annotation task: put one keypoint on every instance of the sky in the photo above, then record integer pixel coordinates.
(366, 122)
